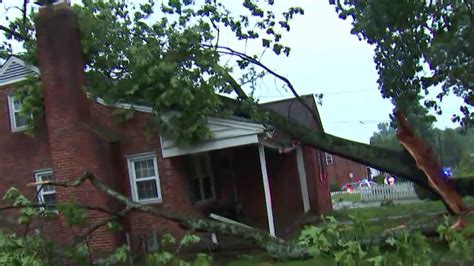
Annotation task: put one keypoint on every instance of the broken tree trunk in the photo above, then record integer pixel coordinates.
(428, 162)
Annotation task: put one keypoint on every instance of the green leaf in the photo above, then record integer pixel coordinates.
(391, 241)
(377, 260)
(74, 215)
(167, 239)
(266, 43)
(277, 48)
(188, 240)
(202, 260)
(12, 193)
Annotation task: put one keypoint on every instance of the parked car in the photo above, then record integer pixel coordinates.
(355, 186)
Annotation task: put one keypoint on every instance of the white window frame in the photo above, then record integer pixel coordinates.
(131, 159)
(328, 158)
(200, 177)
(38, 178)
(12, 111)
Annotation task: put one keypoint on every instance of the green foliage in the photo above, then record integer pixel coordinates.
(466, 165)
(119, 257)
(188, 240)
(30, 94)
(202, 260)
(15, 250)
(456, 240)
(385, 137)
(421, 48)
(410, 248)
(114, 226)
(169, 256)
(328, 240)
(168, 56)
(452, 145)
(74, 216)
(26, 214)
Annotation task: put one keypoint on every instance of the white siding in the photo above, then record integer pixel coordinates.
(15, 70)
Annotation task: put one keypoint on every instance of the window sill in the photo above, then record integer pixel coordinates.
(150, 201)
(19, 129)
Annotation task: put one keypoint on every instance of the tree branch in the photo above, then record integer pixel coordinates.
(100, 224)
(39, 205)
(230, 51)
(274, 246)
(397, 162)
(12, 32)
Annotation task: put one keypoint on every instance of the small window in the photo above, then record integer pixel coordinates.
(144, 179)
(202, 178)
(46, 193)
(18, 120)
(329, 159)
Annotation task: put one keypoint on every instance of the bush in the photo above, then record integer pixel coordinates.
(334, 187)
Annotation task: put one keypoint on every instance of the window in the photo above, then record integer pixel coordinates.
(202, 181)
(144, 179)
(329, 159)
(46, 193)
(18, 120)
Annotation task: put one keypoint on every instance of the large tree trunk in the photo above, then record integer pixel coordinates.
(397, 162)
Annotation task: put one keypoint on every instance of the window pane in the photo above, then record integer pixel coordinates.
(145, 168)
(47, 178)
(49, 198)
(20, 120)
(147, 190)
(16, 105)
(195, 187)
(207, 187)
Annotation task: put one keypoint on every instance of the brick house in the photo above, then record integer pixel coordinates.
(337, 170)
(241, 173)
(341, 170)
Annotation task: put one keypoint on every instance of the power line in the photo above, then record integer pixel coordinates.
(324, 93)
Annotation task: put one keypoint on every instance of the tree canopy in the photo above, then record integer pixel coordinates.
(423, 50)
(170, 56)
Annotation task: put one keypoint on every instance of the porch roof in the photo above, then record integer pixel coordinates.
(226, 133)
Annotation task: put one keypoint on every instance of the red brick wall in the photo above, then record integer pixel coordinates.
(20, 155)
(317, 181)
(285, 190)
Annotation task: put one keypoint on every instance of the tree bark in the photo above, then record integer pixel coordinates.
(397, 162)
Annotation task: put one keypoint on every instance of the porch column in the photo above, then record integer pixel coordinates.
(266, 188)
(302, 175)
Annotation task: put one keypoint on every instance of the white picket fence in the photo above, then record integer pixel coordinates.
(399, 191)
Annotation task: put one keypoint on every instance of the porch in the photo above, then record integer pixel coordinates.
(246, 174)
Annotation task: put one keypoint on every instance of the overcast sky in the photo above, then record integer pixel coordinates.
(326, 58)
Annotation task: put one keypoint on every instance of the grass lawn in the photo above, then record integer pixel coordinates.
(378, 220)
(262, 260)
(413, 209)
(352, 197)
